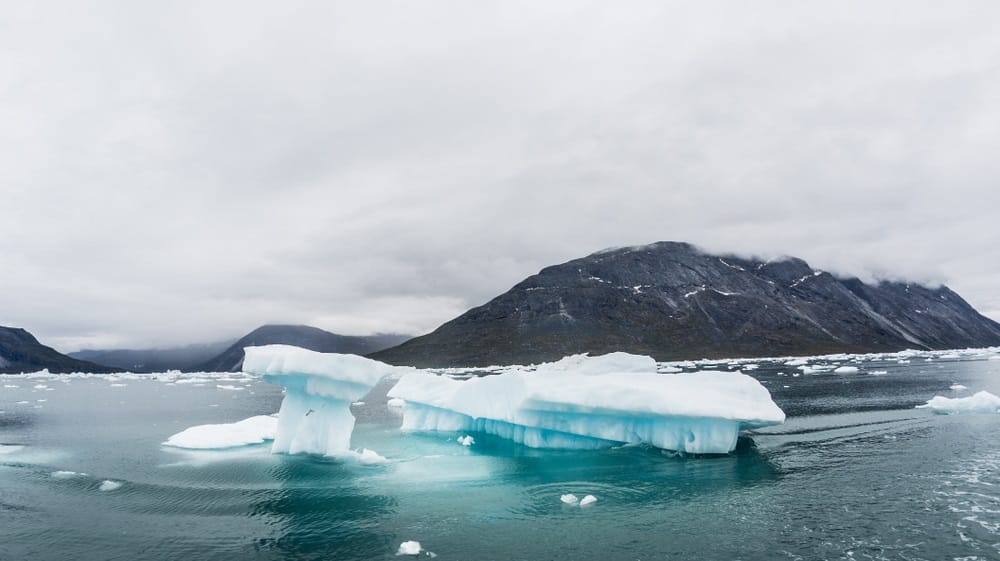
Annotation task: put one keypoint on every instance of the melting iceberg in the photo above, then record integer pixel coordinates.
(592, 402)
(579, 402)
(315, 416)
(254, 430)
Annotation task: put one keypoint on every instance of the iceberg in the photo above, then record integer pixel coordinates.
(583, 402)
(981, 402)
(579, 402)
(315, 415)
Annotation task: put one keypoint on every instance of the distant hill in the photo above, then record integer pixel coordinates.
(674, 302)
(231, 360)
(154, 360)
(21, 352)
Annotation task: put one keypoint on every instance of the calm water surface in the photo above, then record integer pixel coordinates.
(855, 473)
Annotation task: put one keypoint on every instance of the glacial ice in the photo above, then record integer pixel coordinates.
(569, 499)
(254, 430)
(315, 416)
(584, 402)
(579, 402)
(981, 402)
(109, 485)
(588, 500)
(409, 548)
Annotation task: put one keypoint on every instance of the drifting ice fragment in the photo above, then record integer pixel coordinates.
(409, 548)
(981, 402)
(108, 485)
(586, 403)
(569, 499)
(957, 387)
(588, 500)
(466, 440)
(254, 430)
(846, 370)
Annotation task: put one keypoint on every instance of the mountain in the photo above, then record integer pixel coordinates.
(21, 352)
(675, 302)
(312, 338)
(154, 360)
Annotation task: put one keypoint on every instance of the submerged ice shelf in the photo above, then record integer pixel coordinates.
(579, 402)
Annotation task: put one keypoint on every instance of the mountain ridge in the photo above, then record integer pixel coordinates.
(20, 352)
(673, 301)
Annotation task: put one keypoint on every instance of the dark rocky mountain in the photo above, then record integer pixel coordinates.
(21, 352)
(674, 302)
(154, 360)
(231, 360)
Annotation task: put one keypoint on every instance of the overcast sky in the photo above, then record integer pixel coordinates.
(177, 172)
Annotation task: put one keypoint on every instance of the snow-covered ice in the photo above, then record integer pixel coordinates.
(588, 500)
(981, 402)
(846, 370)
(466, 440)
(593, 402)
(254, 430)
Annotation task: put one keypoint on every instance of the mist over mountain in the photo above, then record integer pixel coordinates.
(303, 336)
(673, 301)
(154, 360)
(20, 351)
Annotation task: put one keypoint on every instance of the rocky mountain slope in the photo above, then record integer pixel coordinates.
(154, 360)
(672, 301)
(21, 352)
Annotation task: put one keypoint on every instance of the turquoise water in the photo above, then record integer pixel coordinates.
(855, 473)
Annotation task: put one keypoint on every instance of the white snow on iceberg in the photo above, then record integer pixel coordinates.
(315, 416)
(254, 430)
(592, 402)
(981, 402)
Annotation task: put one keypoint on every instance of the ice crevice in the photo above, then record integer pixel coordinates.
(579, 402)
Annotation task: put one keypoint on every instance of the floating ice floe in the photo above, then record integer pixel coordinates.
(65, 474)
(109, 485)
(981, 402)
(409, 548)
(254, 430)
(569, 499)
(588, 500)
(586, 402)
(846, 370)
(957, 387)
(466, 440)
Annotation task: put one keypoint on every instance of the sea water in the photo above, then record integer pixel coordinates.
(856, 472)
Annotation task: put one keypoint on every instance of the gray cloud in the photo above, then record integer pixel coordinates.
(182, 172)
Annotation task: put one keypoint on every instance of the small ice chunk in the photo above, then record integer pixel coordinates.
(957, 387)
(117, 385)
(879, 372)
(409, 548)
(229, 387)
(569, 499)
(22, 402)
(846, 370)
(466, 440)
(396, 402)
(370, 457)
(108, 485)
(254, 430)
(11, 386)
(981, 402)
(41, 387)
(9, 448)
(65, 474)
(588, 500)
(797, 362)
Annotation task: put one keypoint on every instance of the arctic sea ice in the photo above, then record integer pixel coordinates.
(579, 402)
